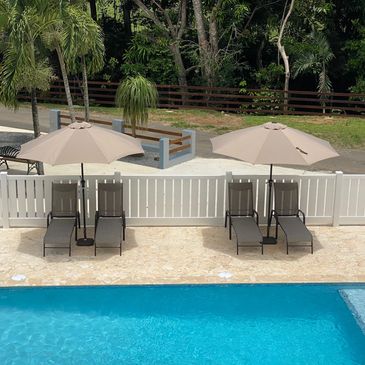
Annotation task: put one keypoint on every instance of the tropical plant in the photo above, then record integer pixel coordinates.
(83, 47)
(23, 67)
(54, 39)
(314, 58)
(135, 95)
(150, 57)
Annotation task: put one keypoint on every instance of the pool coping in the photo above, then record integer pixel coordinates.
(339, 284)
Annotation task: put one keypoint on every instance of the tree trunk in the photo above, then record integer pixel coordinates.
(285, 57)
(203, 41)
(173, 32)
(207, 57)
(66, 83)
(175, 49)
(213, 31)
(259, 63)
(85, 89)
(93, 11)
(127, 7)
(36, 129)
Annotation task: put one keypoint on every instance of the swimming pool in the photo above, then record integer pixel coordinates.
(207, 324)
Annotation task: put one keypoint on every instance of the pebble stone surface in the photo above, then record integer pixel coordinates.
(182, 255)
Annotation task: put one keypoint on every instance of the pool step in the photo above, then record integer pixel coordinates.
(355, 300)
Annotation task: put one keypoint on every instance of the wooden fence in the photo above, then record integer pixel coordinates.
(328, 199)
(253, 101)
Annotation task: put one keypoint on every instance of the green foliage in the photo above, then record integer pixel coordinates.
(150, 57)
(270, 100)
(270, 77)
(356, 62)
(135, 95)
(313, 57)
(23, 65)
(313, 13)
(82, 37)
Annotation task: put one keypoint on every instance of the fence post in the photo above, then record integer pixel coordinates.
(229, 176)
(4, 198)
(164, 153)
(191, 141)
(118, 125)
(117, 176)
(54, 120)
(337, 199)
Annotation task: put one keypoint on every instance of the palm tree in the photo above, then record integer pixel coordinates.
(23, 66)
(84, 46)
(54, 39)
(135, 95)
(75, 36)
(315, 59)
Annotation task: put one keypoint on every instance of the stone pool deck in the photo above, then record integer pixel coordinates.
(172, 255)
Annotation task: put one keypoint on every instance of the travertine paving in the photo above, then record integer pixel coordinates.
(158, 255)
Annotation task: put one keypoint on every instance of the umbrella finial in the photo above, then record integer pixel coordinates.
(274, 126)
(79, 125)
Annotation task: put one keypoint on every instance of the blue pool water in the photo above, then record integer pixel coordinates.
(168, 325)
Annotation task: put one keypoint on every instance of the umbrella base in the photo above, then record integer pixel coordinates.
(85, 242)
(269, 240)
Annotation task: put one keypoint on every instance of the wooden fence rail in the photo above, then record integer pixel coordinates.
(253, 101)
(172, 146)
(328, 199)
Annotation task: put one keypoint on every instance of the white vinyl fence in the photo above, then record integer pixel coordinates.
(330, 199)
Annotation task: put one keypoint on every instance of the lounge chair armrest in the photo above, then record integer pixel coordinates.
(229, 216)
(123, 218)
(255, 214)
(49, 218)
(303, 215)
(97, 216)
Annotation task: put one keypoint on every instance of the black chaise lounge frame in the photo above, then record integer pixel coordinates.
(110, 223)
(10, 153)
(63, 218)
(242, 217)
(289, 217)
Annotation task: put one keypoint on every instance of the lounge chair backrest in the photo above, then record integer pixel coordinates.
(286, 198)
(64, 200)
(240, 198)
(110, 199)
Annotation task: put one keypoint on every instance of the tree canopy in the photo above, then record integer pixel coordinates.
(225, 42)
(306, 45)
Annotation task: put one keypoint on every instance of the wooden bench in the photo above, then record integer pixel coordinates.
(9, 153)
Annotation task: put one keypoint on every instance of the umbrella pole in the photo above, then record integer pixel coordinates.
(84, 241)
(269, 240)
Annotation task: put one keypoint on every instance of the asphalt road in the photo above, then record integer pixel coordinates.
(350, 161)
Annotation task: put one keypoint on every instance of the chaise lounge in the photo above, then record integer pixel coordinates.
(287, 216)
(110, 218)
(63, 218)
(242, 217)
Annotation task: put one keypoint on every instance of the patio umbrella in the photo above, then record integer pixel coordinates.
(80, 142)
(269, 144)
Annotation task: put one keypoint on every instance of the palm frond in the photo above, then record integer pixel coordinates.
(135, 95)
(324, 82)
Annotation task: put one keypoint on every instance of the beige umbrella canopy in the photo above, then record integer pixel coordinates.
(273, 143)
(80, 142)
